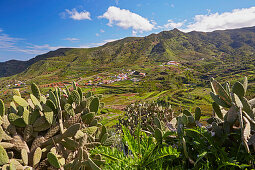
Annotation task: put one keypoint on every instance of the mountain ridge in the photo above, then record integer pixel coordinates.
(225, 45)
(20, 66)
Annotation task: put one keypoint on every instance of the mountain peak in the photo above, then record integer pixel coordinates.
(176, 30)
(164, 46)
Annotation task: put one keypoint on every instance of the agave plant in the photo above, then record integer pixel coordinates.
(53, 132)
(141, 151)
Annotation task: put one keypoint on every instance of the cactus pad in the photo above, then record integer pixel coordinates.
(43, 127)
(79, 134)
(36, 91)
(16, 120)
(70, 144)
(69, 109)
(50, 104)
(19, 143)
(28, 131)
(37, 156)
(2, 108)
(94, 105)
(90, 130)
(52, 131)
(37, 142)
(220, 91)
(197, 113)
(80, 92)
(53, 98)
(75, 97)
(217, 110)
(20, 101)
(89, 94)
(3, 156)
(24, 156)
(87, 118)
(34, 116)
(48, 114)
(53, 160)
(238, 89)
(218, 100)
(26, 116)
(36, 102)
(16, 92)
(158, 135)
(74, 86)
(72, 130)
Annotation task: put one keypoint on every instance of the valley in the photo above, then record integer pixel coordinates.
(171, 66)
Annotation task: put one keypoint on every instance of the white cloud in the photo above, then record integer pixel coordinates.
(8, 43)
(170, 24)
(97, 34)
(72, 39)
(101, 30)
(126, 19)
(74, 14)
(39, 49)
(102, 43)
(237, 18)
(134, 33)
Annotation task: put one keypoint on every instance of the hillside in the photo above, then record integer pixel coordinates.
(13, 67)
(225, 55)
(199, 50)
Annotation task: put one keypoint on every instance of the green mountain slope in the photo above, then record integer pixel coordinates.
(13, 67)
(208, 54)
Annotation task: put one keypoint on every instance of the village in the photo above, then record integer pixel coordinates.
(134, 76)
(97, 80)
(174, 63)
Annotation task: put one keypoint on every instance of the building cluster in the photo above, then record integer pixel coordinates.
(16, 83)
(134, 76)
(56, 84)
(174, 63)
(116, 78)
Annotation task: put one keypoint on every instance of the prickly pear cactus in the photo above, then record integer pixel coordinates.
(3, 156)
(232, 110)
(2, 108)
(149, 112)
(50, 132)
(35, 91)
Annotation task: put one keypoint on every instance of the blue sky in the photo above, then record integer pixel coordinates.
(32, 27)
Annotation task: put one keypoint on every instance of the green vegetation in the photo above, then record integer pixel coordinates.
(167, 117)
(151, 138)
(53, 132)
(65, 130)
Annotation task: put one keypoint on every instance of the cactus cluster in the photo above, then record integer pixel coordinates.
(162, 131)
(51, 132)
(149, 112)
(152, 117)
(232, 112)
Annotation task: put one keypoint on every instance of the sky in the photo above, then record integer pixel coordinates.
(32, 27)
